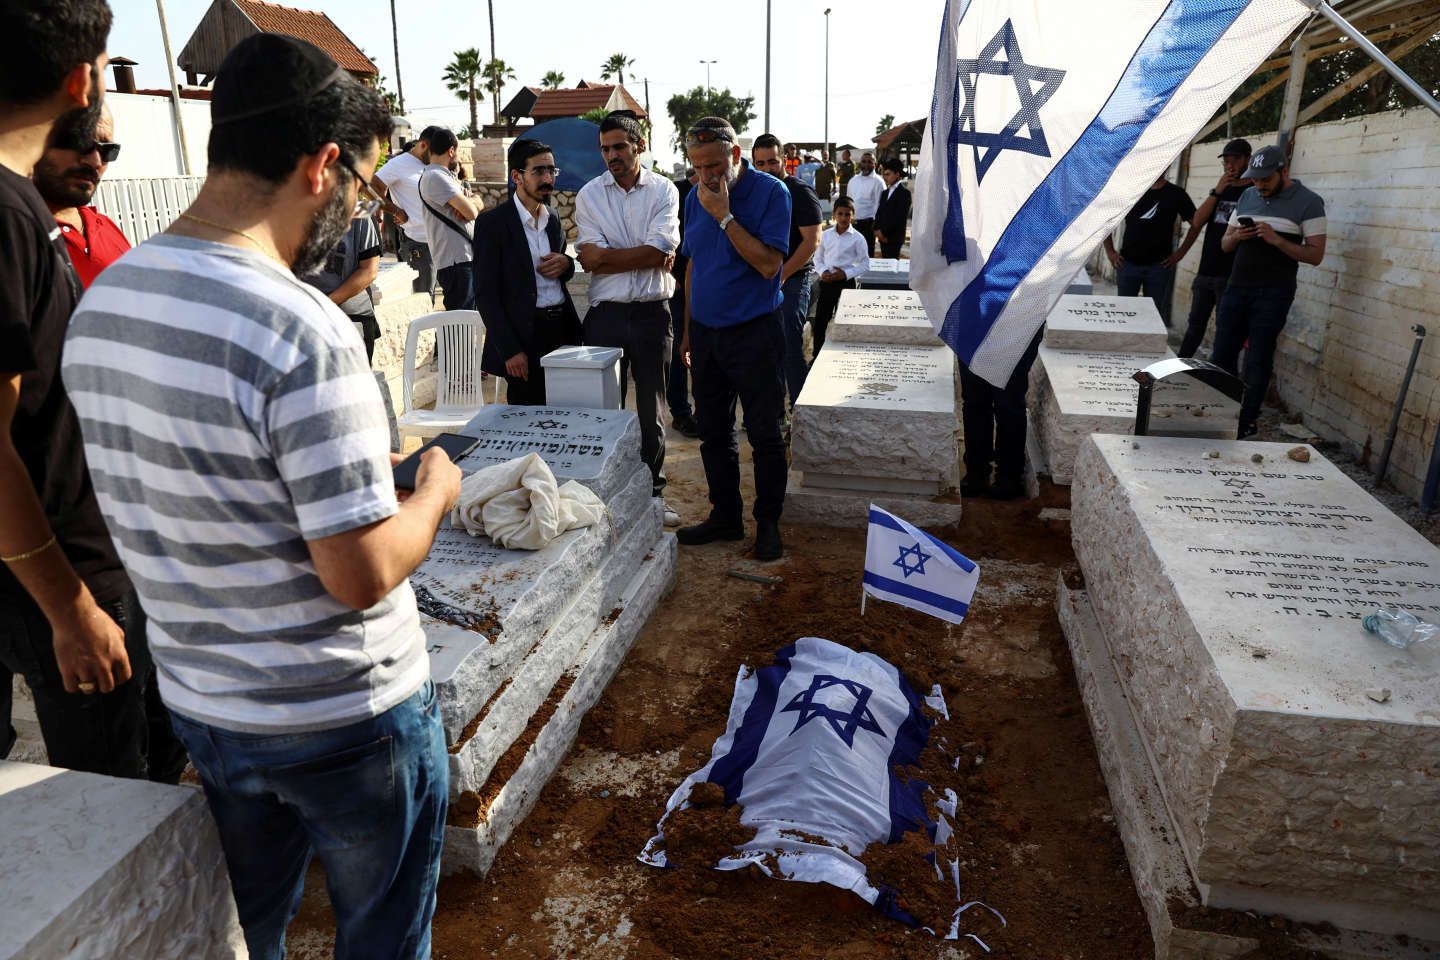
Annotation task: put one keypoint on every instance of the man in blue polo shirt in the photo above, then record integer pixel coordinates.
(1277, 224)
(737, 234)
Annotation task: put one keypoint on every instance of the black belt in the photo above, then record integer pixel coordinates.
(550, 313)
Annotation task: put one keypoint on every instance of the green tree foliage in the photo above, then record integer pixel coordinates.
(497, 73)
(594, 116)
(886, 122)
(462, 77)
(553, 80)
(1323, 74)
(616, 67)
(686, 108)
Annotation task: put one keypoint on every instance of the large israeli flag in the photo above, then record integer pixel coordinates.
(906, 565)
(1049, 121)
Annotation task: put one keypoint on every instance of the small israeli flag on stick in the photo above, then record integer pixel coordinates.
(905, 565)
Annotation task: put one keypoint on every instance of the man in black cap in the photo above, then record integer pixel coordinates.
(1214, 270)
(1277, 224)
(241, 458)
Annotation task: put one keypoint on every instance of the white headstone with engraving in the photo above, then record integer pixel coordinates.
(1121, 324)
(882, 316)
(1296, 753)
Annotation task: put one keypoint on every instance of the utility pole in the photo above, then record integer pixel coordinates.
(829, 154)
(767, 66)
(395, 36)
(174, 91)
(649, 118)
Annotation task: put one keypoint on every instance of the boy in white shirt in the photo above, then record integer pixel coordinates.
(842, 257)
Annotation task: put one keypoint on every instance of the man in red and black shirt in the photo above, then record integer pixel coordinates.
(66, 176)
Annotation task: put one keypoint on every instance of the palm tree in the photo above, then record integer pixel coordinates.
(462, 76)
(496, 73)
(616, 67)
(554, 80)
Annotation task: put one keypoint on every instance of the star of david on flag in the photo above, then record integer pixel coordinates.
(933, 577)
(1049, 121)
(845, 722)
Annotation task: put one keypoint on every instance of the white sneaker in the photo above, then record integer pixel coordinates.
(672, 519)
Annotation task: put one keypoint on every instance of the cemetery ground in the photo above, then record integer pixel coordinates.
(1037, 836)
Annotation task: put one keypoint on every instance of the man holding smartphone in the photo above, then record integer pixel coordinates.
(1277, 225)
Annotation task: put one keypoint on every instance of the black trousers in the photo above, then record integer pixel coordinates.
(867, 230)
(994, 420)
(746, 363)
(890, 249)
(826, 302)
(531, 391)
(678, 376)
(455, 281)
(1205, 294)
(642, 330)
(124, 733)
(369, 329)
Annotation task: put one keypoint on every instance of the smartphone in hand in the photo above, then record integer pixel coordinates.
(1246, 222)
(455, 446)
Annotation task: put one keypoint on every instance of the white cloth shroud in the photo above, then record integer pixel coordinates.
(519, 506)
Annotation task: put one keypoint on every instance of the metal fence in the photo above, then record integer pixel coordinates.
(143, 208)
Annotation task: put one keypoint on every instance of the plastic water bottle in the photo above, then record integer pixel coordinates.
(1399, 628)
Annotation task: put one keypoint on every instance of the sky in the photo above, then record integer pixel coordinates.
(878, 65)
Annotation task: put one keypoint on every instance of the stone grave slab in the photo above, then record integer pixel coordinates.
(1229, 593)
(1074, 393)
(878, 417)
(553, 731)
(508, 702)
(835, 507)
(1081, 283)
(882, 316)
(515, 594)
(1089, 322)
(99, 867)
(599, 448)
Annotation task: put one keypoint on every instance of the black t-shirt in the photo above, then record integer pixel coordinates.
(1215, 262)
(804, 209)
(38, 291)
(1150, 224)
(683, 186)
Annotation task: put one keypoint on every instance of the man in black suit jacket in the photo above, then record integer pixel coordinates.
(894, 210)
(520, 270)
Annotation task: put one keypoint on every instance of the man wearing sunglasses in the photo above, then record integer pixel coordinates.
(67, 176)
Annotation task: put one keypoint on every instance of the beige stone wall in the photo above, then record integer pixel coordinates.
(1348, 339)
(562, 203)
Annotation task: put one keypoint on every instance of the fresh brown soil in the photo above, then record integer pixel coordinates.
(1035, 835)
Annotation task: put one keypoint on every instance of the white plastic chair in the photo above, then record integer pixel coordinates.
(459, 339)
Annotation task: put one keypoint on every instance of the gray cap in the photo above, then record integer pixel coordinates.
(1265, 161)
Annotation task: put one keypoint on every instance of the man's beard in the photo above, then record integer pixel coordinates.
(325, 231)
(55, 188)
(732, 173)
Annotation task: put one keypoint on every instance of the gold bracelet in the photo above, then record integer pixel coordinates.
(30, 553)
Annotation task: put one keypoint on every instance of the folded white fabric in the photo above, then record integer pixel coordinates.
(518, 505)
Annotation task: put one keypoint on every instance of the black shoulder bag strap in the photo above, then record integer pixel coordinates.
(443, 219)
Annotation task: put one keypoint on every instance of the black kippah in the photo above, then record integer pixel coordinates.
(268, 72)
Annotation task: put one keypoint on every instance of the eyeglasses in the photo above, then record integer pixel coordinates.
(368, 201)
(107, 149)
(544, 171)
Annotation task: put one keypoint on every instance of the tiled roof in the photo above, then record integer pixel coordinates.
(911, 130)
(574, 102)
(310, 26)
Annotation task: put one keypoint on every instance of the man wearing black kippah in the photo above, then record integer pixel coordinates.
(242, 463)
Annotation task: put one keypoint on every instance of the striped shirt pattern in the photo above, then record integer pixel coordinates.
(229, 415)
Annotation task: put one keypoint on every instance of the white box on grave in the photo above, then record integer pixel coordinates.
(100, 867)
(1118, 324)
(586, 377)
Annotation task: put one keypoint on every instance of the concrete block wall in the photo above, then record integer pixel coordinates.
(1344, 350)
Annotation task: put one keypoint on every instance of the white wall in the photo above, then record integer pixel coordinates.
(145, 130)
(1348, 339)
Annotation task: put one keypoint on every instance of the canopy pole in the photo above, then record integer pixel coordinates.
(174, 91)
(1363, 42)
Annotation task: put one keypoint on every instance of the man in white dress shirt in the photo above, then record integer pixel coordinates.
(866, 188)
(628, 223)
(841, 258)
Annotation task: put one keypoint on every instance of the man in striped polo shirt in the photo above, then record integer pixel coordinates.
(239, 451)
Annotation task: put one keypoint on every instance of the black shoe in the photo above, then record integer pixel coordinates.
(710, 529)
(767, 540)
(1007, 488)
(975, 484)
(686, 425)
(1247, 430)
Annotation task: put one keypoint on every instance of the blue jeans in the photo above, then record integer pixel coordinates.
(796, 305)
(1150, 278)
(1256, 315)
(369, 799)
